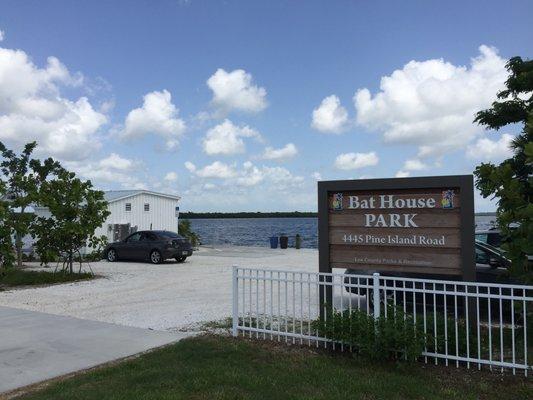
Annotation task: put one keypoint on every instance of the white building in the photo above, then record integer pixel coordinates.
(134, 210)
(138, 210)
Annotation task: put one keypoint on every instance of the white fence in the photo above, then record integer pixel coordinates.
(468, 323)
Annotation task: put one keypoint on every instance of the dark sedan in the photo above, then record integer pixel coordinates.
(491, 267)
(155, 246)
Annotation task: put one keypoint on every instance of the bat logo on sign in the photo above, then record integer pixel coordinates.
(337, 201)
(447, 198)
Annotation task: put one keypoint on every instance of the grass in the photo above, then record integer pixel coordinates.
(222, 324)
(20, 277)
(217, 367)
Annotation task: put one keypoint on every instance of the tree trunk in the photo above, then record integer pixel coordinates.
(70, 262)
(18, 240)
(18, 246)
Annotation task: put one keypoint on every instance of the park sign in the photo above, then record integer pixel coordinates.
(419, 226)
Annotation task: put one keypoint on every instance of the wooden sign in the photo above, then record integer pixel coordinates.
(419, 226)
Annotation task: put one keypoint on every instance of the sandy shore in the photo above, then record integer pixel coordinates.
(168, 296)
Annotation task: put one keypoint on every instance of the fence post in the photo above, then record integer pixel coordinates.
(325, 292)
(377, 304)
(235, 299)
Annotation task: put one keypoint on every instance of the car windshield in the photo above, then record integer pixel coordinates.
(490, 248)
(169, 235)
(492, 237)
(134, 238)
(482, 237)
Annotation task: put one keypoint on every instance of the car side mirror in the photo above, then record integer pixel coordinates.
(493, 262)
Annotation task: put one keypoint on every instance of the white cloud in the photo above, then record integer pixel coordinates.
(330, 116)
(402, 174)
(349, 161)
(2, 35)
(107, 106)
(109, 171)
(282, 178)
(283, 154)
(32, 107)
(215, 170)
(157, 116)
(316, 176)
(252, 188)
(190, 166)
(226, 138)
(279, 178)
(432, 103)
(491, 150)
(114, 161)
(414, 165)
(235, 91)
(248, 176)
(171, 176)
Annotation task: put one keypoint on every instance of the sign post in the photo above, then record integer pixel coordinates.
(177, 214)
(416, 226)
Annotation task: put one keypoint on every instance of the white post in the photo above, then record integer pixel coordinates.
(235, 312)
(377, 304)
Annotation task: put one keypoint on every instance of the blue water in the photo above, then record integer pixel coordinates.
(256, 231)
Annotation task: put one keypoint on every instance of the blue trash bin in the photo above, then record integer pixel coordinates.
(274, 242)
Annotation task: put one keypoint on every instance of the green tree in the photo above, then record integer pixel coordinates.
(511, 182)
(186, 231)
(22, 177)
(20, 192)
(6, 245)
(77, 210)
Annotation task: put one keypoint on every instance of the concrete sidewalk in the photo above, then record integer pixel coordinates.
(36, 346)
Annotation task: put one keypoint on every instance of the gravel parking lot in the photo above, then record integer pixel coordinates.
(169, 296)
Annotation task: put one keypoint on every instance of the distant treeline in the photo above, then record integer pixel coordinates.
(258, 214)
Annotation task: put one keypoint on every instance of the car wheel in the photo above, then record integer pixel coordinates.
(181, 259)
(155, 257)
(111, 255)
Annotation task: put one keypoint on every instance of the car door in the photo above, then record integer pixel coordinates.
(145, 244)
(485, 272)
(131, 249)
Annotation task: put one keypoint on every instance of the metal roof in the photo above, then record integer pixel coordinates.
(114, 195)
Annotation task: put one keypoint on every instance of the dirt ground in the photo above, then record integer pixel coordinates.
(169, 296)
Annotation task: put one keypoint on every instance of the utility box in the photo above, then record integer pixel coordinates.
(120, 231)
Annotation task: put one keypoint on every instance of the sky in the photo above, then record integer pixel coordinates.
(245, 105)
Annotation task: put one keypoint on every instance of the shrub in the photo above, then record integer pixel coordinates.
(7, 256)
(395, 336)
(440, 337)
(97, 249)
(398, 336)
(95, 255)
(186, 231)
(18, 277)
(28, 257)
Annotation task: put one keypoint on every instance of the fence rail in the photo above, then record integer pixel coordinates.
(463, 323)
